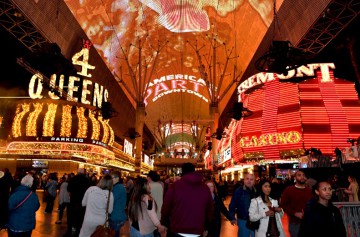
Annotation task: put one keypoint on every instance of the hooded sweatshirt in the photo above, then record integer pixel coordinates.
(188, 206)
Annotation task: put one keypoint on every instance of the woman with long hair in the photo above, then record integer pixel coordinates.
(219, 208)
(142, 211)
(267, 210)
(321, 217)
(353, 189)
(95, 200)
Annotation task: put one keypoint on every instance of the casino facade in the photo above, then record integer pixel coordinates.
(308, 108)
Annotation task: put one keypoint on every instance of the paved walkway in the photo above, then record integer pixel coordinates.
(45, 223)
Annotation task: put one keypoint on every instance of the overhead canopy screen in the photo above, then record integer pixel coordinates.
(156, 46)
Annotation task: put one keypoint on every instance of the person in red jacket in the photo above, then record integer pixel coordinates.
(293, 202)
(188, 205)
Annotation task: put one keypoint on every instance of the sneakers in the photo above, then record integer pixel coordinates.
(58, 222)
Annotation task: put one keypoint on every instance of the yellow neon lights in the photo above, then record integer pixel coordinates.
(49, 120)
(66, 121)
(271, 139)
(37, 78)
(16, 127)
(32, 120)
(95, 126)
(84, 63)
(105, 129)
(82, 125)
(112, 136)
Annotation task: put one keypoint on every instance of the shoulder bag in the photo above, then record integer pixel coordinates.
(104, 230)
(22, 202)
(253, 225)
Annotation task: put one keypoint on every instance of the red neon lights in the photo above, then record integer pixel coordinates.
(325, 113)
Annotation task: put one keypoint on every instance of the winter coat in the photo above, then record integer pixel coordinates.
(188, 206)
(119, 193)
(240, 203)
(23, 217)
(257, 211)
(95, 200)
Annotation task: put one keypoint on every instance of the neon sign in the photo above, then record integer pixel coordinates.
(271, 139)
(308, 70)
(178, 83)
(99, 94)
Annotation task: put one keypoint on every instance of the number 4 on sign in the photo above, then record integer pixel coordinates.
(84, 63)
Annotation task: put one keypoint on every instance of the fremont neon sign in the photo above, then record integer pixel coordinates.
(271, 139)
(308, 70)
(174, 84)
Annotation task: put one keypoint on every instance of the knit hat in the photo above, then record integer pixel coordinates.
(27, 180)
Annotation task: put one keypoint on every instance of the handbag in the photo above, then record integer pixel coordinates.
(253, 225)
(104, 230)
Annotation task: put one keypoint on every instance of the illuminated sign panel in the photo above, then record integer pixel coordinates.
(227, 154)
(40, 164)
(308, 70)
(83, 90)
(128, 147)
(178, 83)
(271, 139)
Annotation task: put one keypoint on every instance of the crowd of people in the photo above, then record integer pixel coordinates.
(190, 205)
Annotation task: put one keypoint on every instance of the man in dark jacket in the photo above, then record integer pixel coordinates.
(240, 203)
(188, 206)
(77, 187)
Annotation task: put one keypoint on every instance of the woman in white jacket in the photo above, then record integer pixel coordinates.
(95, 200)
(267, 210)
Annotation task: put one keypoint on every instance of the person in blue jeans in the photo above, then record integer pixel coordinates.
(118, 215)
(240, 203)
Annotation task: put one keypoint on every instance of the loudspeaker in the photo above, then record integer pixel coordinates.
(219, 133)
(237, 110)
(106, 110)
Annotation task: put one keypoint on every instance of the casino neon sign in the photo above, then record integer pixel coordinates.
(271, 139)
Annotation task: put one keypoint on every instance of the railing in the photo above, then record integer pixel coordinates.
(351, 154)
(312, 161)
(350, 212)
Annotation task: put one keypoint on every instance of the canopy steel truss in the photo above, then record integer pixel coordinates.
(334, 19)
(14, 21)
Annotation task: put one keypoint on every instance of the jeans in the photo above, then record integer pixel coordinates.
(62, 207)
(116, 225)
(135, 233)
(243, 231)
(50, 203)
(294, 229)
(19, 234)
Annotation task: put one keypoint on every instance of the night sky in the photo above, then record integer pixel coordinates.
(15, 79)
